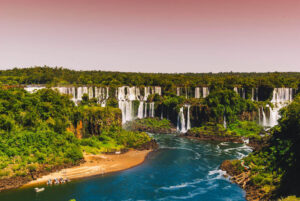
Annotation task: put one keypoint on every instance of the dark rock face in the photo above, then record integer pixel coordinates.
(151, 145)
(258, 144)
(229, 168)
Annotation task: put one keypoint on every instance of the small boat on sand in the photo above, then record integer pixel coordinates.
(39, 189)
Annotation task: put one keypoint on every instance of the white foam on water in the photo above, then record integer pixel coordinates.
(196, 153)
(217, 173)
(190, 195)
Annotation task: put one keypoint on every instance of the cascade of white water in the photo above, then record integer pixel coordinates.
(197, 92)
(121, 93)
(264, 120)
(90, 92)
(205, 92)
(281, 97)
(151, 109)
(186, 92)
(236, 90)
(141, 110)
(101, 94)
(127, 112)
(188, 126)
(79, 94)
(32, 89)
(243, 93)
(145, 109)
(181, 121)
(178, 91)
(256, 94)
(157, 90)
(131, 93)
(224, 123)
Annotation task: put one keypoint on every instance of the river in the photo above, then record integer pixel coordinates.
(182, 169)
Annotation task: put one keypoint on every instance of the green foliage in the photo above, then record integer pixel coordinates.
(114, 140)
(27, 149)
(275, 169)
(154, 123)
(236, 129)
(55, 76)
(245, 128)
(290, 198)
(99, 119)
(228, 103)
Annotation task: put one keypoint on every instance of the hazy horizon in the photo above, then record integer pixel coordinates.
(99, 69)
(163, 36)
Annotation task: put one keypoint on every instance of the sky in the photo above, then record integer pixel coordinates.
(151, 35)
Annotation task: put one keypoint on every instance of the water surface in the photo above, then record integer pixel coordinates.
(182, 169)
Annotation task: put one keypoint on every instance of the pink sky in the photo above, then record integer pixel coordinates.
(151, 35)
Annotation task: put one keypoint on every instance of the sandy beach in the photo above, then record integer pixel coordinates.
(96, 165)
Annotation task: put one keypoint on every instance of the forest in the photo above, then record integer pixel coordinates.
(273, 171)
(45, 129)
(62, 76)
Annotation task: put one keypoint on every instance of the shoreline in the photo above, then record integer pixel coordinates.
(95, 165)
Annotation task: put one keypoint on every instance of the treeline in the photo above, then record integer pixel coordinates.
(61, 76)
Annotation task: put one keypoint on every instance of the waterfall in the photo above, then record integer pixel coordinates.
(197, 92)
(91, 92)
(145, 110)
(188, 126)
(264, 120)
(127, 111)
(186, 92)
(101, 94)
(281, 97)
(241, 92)
(254, 94)
(32, 89)
(157, 90)
(224, 123)
(183, 126)
(205, 92)
(151, 110)
(141, 110)
(127, 95)
(181, 121)
(236, 90)
(178, 91)
(146, 93)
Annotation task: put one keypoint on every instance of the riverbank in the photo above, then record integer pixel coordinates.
(96, 165)
(241, 176)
